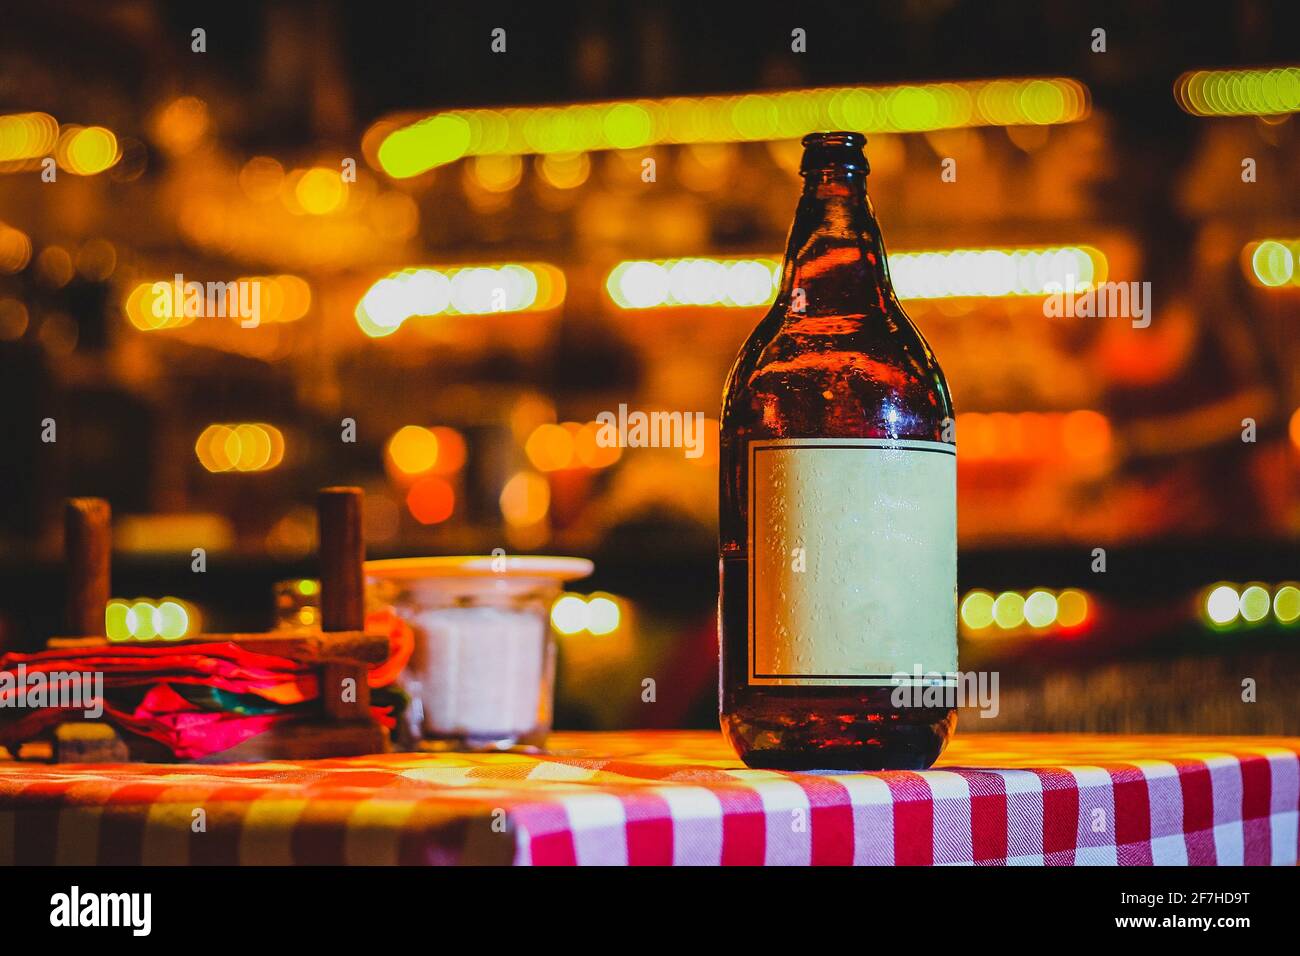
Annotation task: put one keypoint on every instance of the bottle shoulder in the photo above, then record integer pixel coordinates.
(837, 375)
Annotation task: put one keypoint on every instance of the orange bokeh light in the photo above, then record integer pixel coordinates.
(431, 500)
(550, 447)
(526, 499)
(451, 450)
(589, 451)
(1086, 435)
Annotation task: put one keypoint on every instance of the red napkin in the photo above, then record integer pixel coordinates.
(187, 729)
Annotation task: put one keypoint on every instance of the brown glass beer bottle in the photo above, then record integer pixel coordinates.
(838, 529)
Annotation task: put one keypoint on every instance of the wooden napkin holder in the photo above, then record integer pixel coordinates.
(341, 650)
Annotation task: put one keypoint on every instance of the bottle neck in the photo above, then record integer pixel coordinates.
(835, 258)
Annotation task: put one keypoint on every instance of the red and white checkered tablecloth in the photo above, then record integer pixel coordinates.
(656, 797)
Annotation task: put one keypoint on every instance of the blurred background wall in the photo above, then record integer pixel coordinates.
(479, 169)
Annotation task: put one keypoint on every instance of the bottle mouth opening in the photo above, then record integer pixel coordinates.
(836, 138)
(840, 150)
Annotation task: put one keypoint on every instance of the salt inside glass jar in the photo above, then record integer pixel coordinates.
(482, 673)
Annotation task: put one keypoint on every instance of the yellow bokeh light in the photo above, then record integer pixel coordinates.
(525, 499)
(276, 437)
(254, 447)
(116, 626)
(171, 621)
(564, 170)
(415, 149)
(1286, 603)
(320, 191)
(410, 148)
(87, 151)
(413, 449)
(550, 447)
(155, 306)
(149, 309)
(26, 138)
(496, 174)
(977, 610)
(1254, 603)
(245, 447)
(1268, 91)
(212, 448)
(1271, 263)
(143, 619)
(1009, 610)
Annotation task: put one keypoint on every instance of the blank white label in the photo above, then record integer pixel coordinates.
(852, 561)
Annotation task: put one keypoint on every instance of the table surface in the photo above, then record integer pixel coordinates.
(663, 797)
